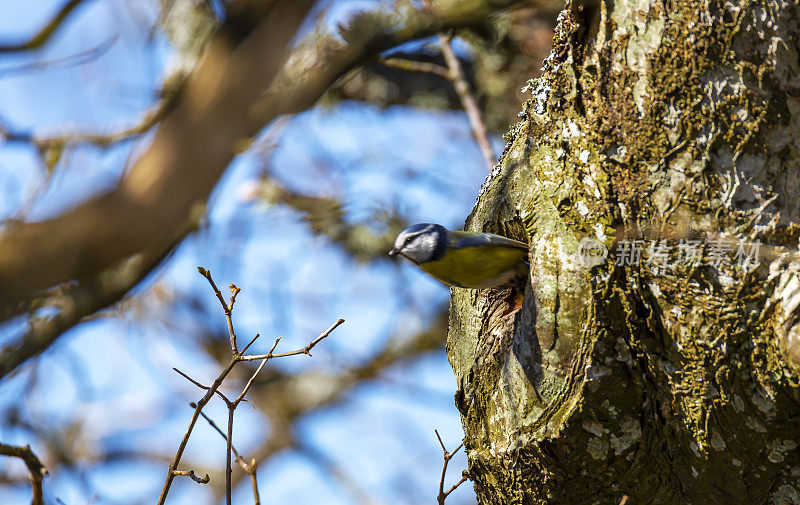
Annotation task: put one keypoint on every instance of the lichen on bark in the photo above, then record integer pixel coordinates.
(654, 124)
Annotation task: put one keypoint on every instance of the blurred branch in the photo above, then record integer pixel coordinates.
(223, 101)
(505, 50)
(459, 80)
(416, 66)
(330, 466)
(166, 188)
(326, 218)
(399, 79)
(321, 58)
(74, 304)
(170, 181)
(155, 114)
(35, 467)
(45, 33)
(68, 60)
(455, 75)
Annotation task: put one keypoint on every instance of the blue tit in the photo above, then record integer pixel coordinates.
(460, 258)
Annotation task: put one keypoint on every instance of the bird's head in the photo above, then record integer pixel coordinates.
(422, 242)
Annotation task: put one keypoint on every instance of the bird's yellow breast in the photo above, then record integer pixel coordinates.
(476, 267)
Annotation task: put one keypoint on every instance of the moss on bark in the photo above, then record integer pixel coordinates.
(670, 382)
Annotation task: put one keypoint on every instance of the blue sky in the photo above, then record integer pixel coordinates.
(293, 284)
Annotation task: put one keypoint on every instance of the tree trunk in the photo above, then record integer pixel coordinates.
(656, 127)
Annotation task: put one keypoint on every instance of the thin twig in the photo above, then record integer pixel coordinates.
(442, 496)
(293, 407)
(214, 425)
(35, 468)
(231, 409)
(253, 377)
(228, 308)
(75, 59)
(459, 80)
(455, 74)
(210, 390)
(416, 66)
(253, 473)
(185, 376)
(304, 350)
(182, 447)
(44, 143)
(43, 35)
(250, 468)
(228, 469)
(192, 475)
(202, 386)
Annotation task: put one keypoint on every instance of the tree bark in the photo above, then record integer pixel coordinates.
(669, 382)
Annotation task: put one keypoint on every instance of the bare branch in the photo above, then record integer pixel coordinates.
(35, 468)
(251, 468)
(203, 387)
(69, 60)
(182, 447)
(275, 393)
(459, 80)
(76, 303)
(251, 343)
(255, 374)
(192, 475)
(169, 183)
(214, 425)
(253, 473)
(232, 405)
(416, 66)
(228, 308)
(153, 115)
(214, 388)
(45, 33)
(442, 496)
(185, 376)
(454, 487)
(228, 442)
(304, 350)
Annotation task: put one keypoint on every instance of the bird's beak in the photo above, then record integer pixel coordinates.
(394, 251)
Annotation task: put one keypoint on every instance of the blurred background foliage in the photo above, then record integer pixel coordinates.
(300, 222)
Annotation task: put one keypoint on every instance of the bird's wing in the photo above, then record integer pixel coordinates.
(460, 239)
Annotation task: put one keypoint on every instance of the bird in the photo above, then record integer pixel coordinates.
(461, 258)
